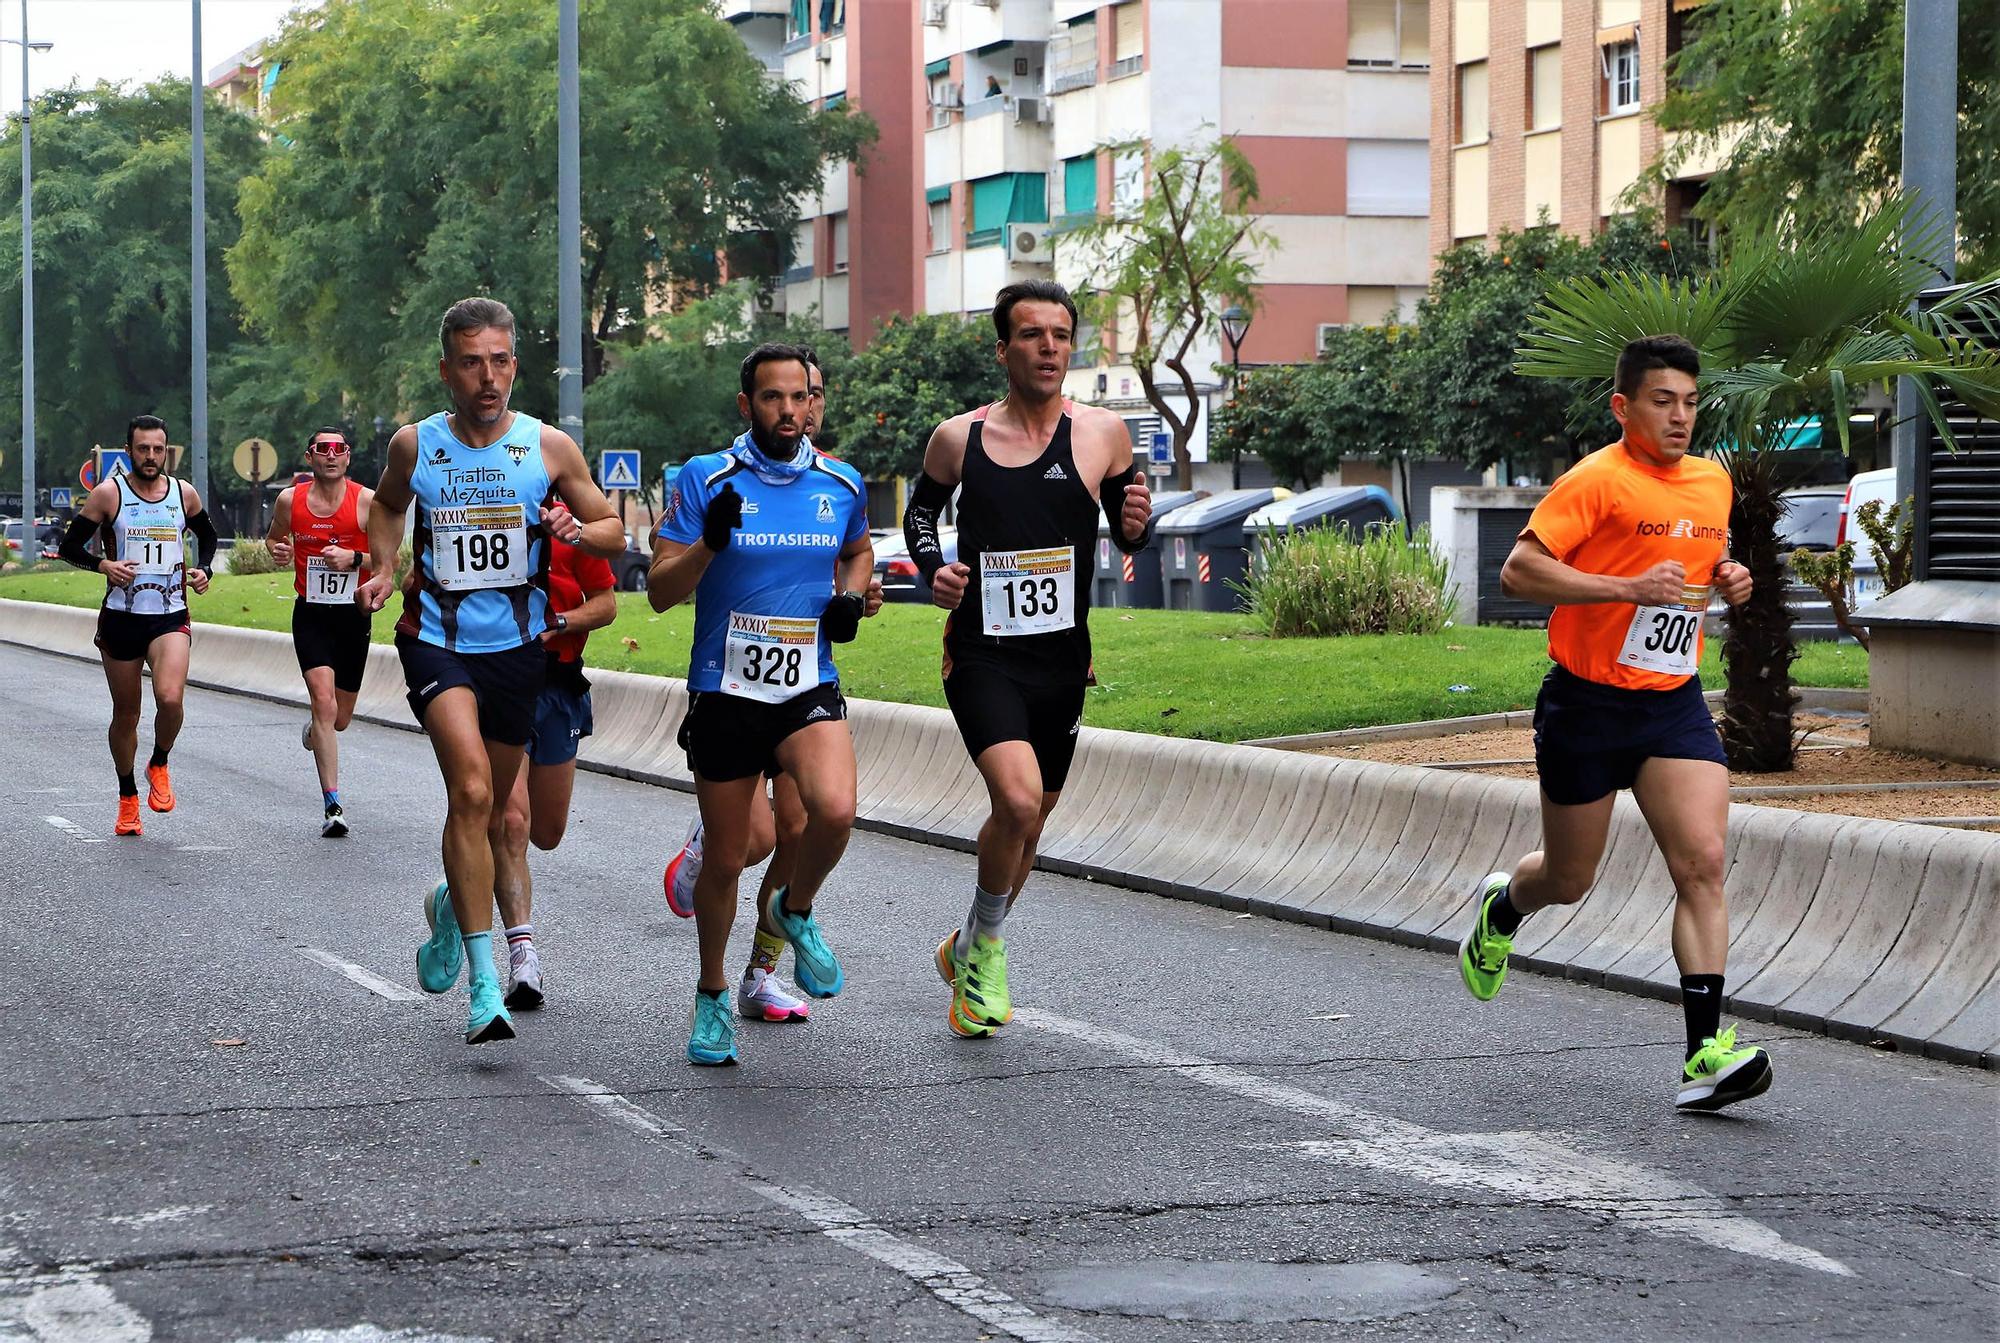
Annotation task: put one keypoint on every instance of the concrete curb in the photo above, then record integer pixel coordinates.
(1864, 929)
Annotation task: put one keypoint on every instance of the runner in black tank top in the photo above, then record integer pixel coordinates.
(1007, 510)
(1031, 472)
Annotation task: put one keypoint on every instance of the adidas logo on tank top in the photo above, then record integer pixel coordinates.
(1055, 473)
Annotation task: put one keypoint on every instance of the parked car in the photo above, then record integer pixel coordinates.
(631, 567)
(897, 572)
(48, 535)
(1875, 485)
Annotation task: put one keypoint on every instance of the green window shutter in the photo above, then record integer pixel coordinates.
(992, 198)
(936, 68)
(1080, 185)
(801, 17)
(935, 194)
(833, 100)
(1029, 203)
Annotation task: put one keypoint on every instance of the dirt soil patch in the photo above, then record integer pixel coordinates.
(1834, 751)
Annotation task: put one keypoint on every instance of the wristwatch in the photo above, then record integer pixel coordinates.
(562, 622)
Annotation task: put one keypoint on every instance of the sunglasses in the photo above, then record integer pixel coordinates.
(327, 449)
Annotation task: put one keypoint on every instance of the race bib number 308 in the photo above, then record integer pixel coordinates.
(479, 546)
(1028, 591)
(1666, 639)
(770, 658)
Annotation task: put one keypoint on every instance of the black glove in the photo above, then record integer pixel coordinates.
(725, 515)
(842, 617)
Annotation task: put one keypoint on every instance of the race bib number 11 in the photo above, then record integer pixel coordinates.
(154, 550)
(770, 658)
(479, 546)
(1028, 591)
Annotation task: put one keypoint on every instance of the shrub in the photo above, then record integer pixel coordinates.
(249, 556)
(1323, 581)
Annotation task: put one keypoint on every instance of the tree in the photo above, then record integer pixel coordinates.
(1814, 90)
(1787, 328)
(914, 373)
(1163, 271)
(1474, 405)
(674, 396)
(1302, 419)
(112, 267)
(419, 166)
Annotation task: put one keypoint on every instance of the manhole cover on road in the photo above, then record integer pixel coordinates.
(1235, 1293)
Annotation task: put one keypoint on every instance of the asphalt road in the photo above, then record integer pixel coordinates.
(1200, 1127)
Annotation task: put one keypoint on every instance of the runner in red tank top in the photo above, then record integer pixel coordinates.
(320, 527)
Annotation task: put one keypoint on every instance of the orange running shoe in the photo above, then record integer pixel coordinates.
(128, 816)
(160, 794)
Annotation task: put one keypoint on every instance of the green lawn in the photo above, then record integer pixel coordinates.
(1180, 673)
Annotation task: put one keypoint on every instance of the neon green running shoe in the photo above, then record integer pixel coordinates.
(1720, 1074)
(980, 1003)
(1482, 957)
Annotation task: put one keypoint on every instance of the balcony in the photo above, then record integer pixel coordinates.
(985, 237)
(1128, 67)
(1003, 144)
(731, 11)
(1077, 77)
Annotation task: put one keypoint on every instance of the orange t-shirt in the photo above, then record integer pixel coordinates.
(1614, 513)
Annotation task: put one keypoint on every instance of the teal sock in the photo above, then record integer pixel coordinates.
(332, 796)
(479, 958)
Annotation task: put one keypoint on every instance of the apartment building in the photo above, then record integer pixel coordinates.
(1013, 104)
(244, 81)
(1541, 112)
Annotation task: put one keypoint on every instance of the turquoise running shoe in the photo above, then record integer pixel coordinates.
(439, 958)
(711, 1031)
(814, 965)
(487, 1020)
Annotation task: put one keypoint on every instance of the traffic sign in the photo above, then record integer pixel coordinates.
(1163, 447)
(618, 469)
(113, 462)
(87, 477)
(59, 497)
(255, 460)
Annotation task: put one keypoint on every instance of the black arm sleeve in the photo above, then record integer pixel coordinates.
(920, 524)
(203, 527)
(75, 547)
(1111, 493)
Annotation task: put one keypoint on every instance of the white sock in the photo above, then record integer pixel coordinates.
(983, 919)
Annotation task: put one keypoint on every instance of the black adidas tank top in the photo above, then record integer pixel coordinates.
(1026, 512)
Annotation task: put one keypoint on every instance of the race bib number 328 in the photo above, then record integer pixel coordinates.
(1028, 591)
(770, 658)
(479, 546)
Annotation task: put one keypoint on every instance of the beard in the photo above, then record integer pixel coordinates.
(768, 443)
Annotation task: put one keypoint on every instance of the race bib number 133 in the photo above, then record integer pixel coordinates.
(1028, 591)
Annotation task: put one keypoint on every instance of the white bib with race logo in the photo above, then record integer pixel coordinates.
(770, 658)
(154, 550)
(479, 546)
(1666, 639)
(327, 586)
(1027, 591)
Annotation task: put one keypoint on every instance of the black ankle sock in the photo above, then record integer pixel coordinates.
(159, 759)
(127, 786)
(1701, 1000)
(1501, 916)
(711, 993)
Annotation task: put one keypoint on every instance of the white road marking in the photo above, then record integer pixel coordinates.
(204, 848)
(362, 975)
(173, 1214)
(1529, 1167)
(69, 1305)
(370, 1333)
(944, 1278)
(73, 830)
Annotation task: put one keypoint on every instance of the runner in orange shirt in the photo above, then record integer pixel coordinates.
(1627, 546)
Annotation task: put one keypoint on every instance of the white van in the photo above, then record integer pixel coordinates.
(1878, 485)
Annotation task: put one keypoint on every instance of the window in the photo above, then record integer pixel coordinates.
(840, 243)
(1621, 78)
(1388, 177)
(1073, 57)
(940, 215)
(1545, 88)
(1471, 108)
(1006, 198)
(1388, 34)
(940, 93)
(1129, 54)
(798, 23)
(1128, 180)
(1080, 185)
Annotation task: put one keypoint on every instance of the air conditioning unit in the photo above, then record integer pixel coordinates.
(934, 12)
(824, 53)
(1028, 110)
(1029, 243)
(1323, 335)
(950, 96)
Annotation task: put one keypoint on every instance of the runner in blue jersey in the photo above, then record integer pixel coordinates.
(770, 538)
(484, 479)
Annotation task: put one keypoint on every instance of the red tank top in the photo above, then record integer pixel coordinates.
(312, 533)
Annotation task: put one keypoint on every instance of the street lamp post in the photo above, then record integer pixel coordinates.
(1235, 326)
(198, 336)
(30, 544)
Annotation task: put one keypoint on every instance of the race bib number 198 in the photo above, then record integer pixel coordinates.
(1028, 591)
(479, 546)
(1666, 639)
(770, 658)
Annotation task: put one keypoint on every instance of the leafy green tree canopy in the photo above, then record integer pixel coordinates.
(1814, 88)
(914, 373)
(418, 165)
(1302, 419)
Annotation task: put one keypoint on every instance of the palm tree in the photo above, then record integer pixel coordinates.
(1786, 329)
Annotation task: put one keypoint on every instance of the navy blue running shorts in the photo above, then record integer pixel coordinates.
(506, 684)
(1591, 739)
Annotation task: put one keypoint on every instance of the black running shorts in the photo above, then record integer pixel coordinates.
(332, 636)
(727, 737)
(1591, 739)
(507, 684)
(125, 636)
(991, 707)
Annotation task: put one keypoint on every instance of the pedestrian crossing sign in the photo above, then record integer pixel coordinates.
(618, 469)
